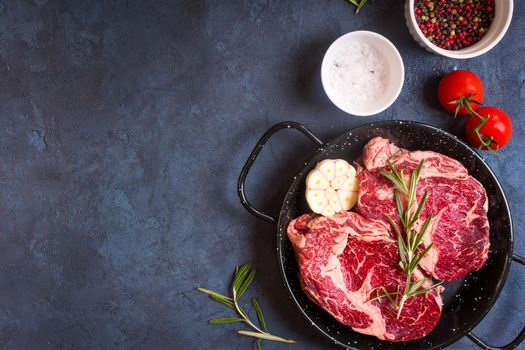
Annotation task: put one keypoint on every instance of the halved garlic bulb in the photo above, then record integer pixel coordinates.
(332, 187)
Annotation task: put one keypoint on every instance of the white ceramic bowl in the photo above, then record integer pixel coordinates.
(394, 80)
(497, 30)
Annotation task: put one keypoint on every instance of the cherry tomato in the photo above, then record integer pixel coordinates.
(456, 84)
(498, 126)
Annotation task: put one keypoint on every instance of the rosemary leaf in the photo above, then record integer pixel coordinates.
(226, 302)
(418, 170)
(266, 336)
(218, 297)
(414, 287)
(389, 296)
(424, 227)
(412, 191)
(386, 294)
(400, 175)
(259, 314)
(426, 290)
(394, 225)
(420, 256)
(426, 223)
(391, 177)
(223, 320)
(244, 285)
(400, 209)
(402, 249)
(421, 291)
(397, 178)
(436, 285)
(258, 344)
(422, 202)
(211, 292)
(241, 272)
(391, 165)
(239, 277)
(377, 297)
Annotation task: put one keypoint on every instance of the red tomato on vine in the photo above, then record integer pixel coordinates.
(492, 131)
(459, 88)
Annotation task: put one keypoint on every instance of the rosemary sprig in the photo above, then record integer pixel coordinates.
(242, 278)
(408, 240)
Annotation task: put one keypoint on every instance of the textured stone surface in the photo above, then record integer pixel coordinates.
(123, 128)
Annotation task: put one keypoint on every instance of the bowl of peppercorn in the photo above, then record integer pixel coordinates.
(458, 28)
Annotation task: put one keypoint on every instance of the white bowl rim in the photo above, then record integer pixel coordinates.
(399, 62)
(457, 53)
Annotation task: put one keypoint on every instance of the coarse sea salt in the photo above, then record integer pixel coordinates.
(358, 74)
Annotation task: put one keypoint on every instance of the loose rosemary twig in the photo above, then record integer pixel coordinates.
(408, 240)
(242, 278)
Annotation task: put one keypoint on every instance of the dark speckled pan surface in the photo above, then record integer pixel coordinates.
(466, 301)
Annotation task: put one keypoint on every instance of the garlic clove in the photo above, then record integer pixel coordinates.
(316, 200)
(341, 168)
(347, 199)
(316, 180)
(327, 168)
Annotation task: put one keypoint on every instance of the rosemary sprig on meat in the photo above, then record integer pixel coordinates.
(242, 278)
(408, 239)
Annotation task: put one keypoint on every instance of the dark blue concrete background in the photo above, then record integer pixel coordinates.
(123, 128)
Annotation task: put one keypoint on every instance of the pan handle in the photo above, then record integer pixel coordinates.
(513, 344)
(249, 163)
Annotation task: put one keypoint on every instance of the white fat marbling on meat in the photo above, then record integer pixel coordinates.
(377, 151)
(385, 194)
(471, 216)
(378, 326)
(357, 298)
(299, 241)
(340, 244)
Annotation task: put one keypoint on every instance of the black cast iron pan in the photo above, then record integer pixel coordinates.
(466, 301)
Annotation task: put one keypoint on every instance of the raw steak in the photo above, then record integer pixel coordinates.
(457, 201)
(342, 258)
